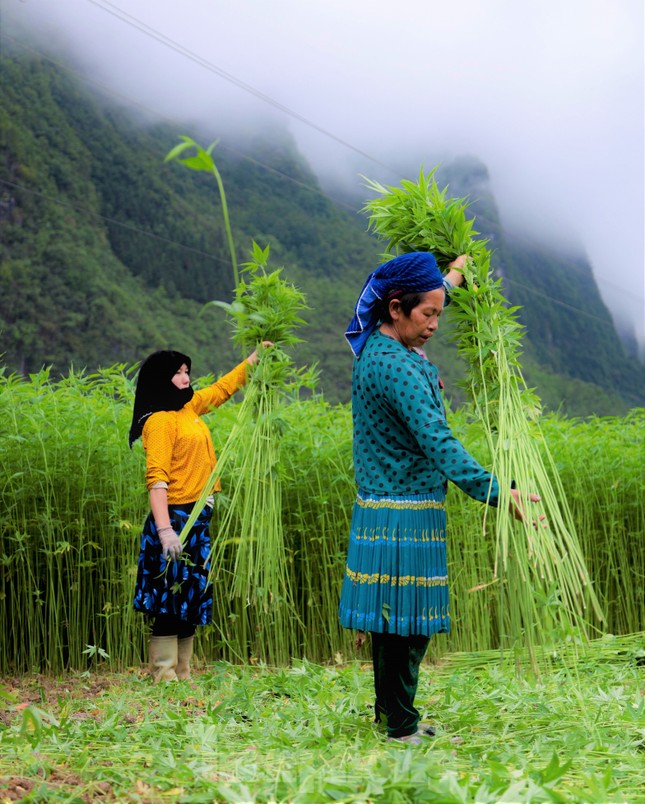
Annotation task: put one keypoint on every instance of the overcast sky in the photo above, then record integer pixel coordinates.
(548, 93)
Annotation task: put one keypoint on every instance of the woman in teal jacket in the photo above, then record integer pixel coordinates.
(396, 577)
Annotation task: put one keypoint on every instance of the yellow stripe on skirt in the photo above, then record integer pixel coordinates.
(396, 576)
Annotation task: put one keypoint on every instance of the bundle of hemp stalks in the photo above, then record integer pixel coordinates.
(250, 571)
(249, 561)
(544, 593)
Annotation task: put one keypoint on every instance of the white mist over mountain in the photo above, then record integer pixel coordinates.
(549, 95)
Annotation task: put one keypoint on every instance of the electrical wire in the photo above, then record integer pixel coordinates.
(153, 33)
(147, 30)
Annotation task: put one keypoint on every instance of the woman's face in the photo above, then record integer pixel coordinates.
(181, 378)
(422, 323)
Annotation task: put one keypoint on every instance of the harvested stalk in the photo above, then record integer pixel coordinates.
(250, 561)
(260, 587)
(543, 587)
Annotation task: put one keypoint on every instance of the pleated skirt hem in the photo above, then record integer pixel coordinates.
(396, 576)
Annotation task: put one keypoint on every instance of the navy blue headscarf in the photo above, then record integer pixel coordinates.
(416, 272)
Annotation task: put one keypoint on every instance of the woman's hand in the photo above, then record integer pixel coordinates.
(170, 544)
(517, 509)
(455, 274)
(253, 357)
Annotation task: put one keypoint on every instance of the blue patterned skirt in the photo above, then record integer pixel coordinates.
(177, 588)
(396, 576)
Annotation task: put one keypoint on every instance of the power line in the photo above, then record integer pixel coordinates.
(134, 22)
(166, 41)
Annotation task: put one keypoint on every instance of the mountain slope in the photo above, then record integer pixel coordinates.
(108, 253)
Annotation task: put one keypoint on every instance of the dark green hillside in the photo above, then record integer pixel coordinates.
(79, 175)
(107, 252)
(64, 296)
(571, 329)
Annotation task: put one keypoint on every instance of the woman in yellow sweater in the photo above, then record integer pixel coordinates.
(172, 584)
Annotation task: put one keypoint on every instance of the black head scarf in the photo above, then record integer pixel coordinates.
(155, 389)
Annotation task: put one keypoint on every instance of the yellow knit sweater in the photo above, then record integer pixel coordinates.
(178, 445)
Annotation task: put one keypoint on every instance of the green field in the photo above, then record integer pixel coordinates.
(81, 720)
(74, 501)
(304, 734)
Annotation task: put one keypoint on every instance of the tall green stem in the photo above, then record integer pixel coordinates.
(203, 161)
(227, 224)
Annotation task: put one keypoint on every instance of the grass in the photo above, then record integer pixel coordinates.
(74, 501)
(304, 734)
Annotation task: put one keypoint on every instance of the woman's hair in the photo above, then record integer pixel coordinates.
(408, 302)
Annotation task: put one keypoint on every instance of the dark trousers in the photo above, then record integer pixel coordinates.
(396, 661)
(167, 625)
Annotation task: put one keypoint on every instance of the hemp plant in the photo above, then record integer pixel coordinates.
(202, 160)
(265, 308)
(250, 557)
(543, 584)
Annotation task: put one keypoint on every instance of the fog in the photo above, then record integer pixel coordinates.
(549, 95)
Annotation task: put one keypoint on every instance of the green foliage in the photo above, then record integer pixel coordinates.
(265, 307)
(74, 502)
(305, 734)
(71, 514)
(418, 216)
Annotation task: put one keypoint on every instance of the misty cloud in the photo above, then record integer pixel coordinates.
(550, 95)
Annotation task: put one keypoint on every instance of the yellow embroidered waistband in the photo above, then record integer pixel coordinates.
(388, 502)
(396, 580)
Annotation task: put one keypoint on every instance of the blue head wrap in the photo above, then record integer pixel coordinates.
(416, 272)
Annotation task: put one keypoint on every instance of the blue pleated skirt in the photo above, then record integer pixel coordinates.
(396, 576)
(177, 588)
